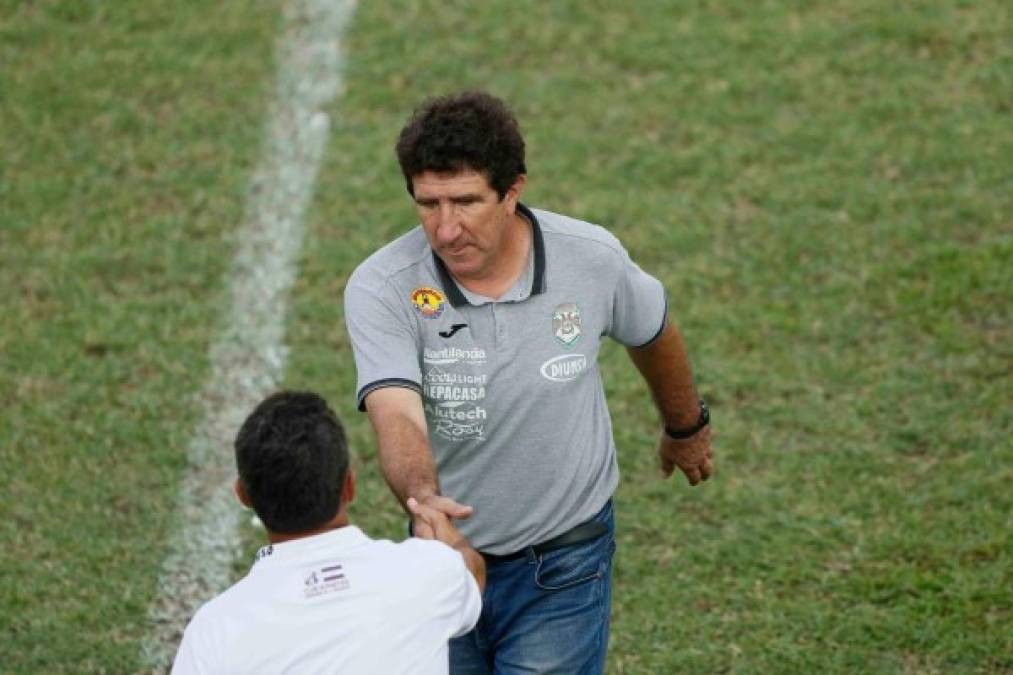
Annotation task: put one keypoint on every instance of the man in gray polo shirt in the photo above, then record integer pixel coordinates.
(476, 337)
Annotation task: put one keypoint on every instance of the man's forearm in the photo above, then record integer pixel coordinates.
(473, 560)
(665, 366)
(406, 459)
(407, 464)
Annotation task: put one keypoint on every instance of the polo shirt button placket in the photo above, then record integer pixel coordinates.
(500, 327)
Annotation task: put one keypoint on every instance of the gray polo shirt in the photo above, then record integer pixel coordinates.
(511, 388)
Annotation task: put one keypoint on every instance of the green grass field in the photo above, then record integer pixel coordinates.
(826, 190)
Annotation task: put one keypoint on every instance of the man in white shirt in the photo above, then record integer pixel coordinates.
(322, 597)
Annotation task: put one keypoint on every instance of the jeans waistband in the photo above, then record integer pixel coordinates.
(579, 534)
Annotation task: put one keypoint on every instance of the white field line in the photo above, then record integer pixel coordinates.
(248, 356)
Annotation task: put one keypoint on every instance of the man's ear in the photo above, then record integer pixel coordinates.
(244, 498)
(513, 193)
(348, 489)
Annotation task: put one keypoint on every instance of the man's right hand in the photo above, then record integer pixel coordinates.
(425, 527)
(406, 459)
(436, 525)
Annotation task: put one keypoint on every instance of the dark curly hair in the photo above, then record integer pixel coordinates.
(292, 459)
(470, 130)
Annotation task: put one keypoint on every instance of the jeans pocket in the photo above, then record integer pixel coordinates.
(574, 565)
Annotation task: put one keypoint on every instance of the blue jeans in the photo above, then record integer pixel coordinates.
(544, 613)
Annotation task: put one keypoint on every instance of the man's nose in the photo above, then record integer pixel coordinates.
(447, 226)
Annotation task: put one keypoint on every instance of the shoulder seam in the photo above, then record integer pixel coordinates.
(387, 274)
(615, 245)
(615, 249)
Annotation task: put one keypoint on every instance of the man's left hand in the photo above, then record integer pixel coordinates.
(692, 455)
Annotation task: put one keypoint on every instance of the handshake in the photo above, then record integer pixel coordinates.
(432, 520)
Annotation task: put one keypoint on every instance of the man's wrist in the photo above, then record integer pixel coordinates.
(461, 544)
(422, 494)
(680, 434)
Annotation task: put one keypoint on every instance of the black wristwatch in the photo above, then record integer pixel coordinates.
(701, 422)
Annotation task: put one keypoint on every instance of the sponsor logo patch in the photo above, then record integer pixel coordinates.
(564, 368)
(566, 323)
(457, 420)
(428, 302)
(453, 403)
(453, 329)
(448, 355)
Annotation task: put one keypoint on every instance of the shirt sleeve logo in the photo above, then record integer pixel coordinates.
(566, 323)
(428, 302)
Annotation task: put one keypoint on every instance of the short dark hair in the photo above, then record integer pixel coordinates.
(470, 130)
(292, 459)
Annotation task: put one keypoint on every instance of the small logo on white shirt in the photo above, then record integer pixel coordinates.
(326, 579)
(263, 552)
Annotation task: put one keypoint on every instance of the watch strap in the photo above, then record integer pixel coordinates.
(688, 432)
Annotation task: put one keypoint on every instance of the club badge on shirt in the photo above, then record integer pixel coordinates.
(428, 302)
(566, 323)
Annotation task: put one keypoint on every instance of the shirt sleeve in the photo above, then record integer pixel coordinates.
(196, 656)
(383, 336)
(639, 305)
(467, 597)
(452, 590)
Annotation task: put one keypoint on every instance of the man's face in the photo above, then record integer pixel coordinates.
(467, 224)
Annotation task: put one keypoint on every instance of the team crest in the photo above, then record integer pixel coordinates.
(428, 302)
(566, 323)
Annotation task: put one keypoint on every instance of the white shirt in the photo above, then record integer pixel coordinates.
(337, 602)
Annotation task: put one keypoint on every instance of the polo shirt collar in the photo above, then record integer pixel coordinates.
(454, 292)
(336, 540)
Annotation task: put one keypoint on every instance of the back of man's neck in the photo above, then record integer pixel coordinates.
(341, 520)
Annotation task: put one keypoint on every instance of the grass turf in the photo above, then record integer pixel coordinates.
(824, 190)
(127, 139)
